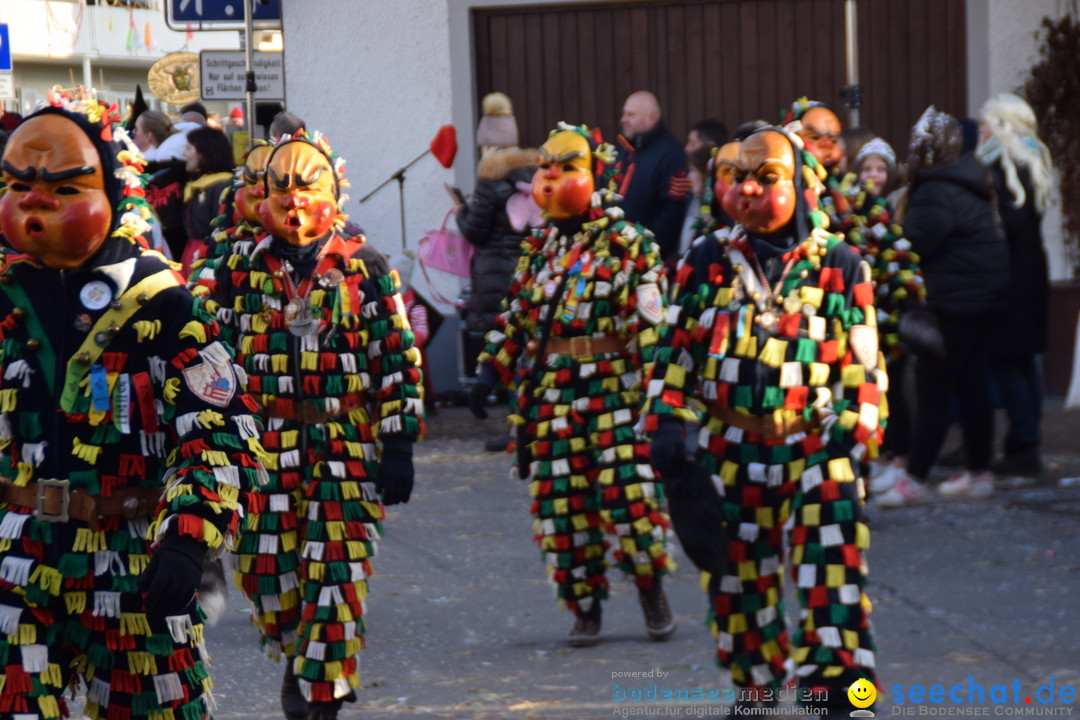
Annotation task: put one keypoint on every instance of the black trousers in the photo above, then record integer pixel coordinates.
(964, 371)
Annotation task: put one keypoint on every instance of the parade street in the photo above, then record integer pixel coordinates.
(461, 623)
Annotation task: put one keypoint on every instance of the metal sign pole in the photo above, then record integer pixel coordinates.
(250, 85)
(851, 43)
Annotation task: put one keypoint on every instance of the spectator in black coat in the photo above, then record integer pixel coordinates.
(655, 187)
(491, 220)
(952, 223)
(1023, 174)
(498, 216)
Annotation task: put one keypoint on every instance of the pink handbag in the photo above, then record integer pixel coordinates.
(446, 250)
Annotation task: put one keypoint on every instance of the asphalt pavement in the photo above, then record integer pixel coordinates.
(979, 597)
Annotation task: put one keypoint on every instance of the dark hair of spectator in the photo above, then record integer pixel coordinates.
(194, 107)
(711, 131)
(285, 123)
(748, 128)
(699, 160)
(156, 124)
(214, 148)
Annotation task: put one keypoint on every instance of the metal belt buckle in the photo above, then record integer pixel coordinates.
(65, 500)
(586, 344)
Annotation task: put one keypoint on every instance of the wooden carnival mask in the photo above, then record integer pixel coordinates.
(724, 171)
(56, 207)
(763, 196)
(301, 194)
(821, 133)
(253, 190)
(563, 185)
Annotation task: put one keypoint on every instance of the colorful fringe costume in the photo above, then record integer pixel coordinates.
(893, 263)
(797, 360)
(117, 398)
(306, 548)
(589, 470)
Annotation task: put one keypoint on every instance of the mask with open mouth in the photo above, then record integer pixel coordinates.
(301, 202)
(56, 207)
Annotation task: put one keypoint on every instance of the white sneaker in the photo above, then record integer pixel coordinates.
(965, 485)
(884, 480)
(906, 491)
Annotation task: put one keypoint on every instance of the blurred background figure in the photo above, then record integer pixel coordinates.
(708, 133)
(1023, 174)
(952, 223)
(209, 164)
(498, 216)
(655, 188)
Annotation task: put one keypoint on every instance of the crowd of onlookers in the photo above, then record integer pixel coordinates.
(952, 231)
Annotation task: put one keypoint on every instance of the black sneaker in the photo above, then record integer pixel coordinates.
(293, 703)
(1027, 463)
(586, 630)
(658, 618)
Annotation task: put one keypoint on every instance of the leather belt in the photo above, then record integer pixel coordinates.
(307, 410)
(584, 346)
(770, 426)
(55, 501)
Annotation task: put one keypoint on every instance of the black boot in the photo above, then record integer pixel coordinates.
(658, 618)
(292, 700)
(586, 630)
(324, 710)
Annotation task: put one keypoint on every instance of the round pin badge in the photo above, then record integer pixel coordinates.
(95, 295)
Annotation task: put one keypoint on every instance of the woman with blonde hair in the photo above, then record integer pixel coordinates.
(1023, 175)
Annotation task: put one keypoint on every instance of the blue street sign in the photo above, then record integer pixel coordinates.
(220, 14)
(5, 49)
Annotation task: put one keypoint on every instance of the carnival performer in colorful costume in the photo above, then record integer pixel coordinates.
(122, 423)
(585, 308)
(318, 325)
(772, 331)
(239, 216)
(819, 129)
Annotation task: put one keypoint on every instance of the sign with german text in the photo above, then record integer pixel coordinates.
(222, 75)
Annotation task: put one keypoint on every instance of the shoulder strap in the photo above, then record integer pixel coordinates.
(90, 350)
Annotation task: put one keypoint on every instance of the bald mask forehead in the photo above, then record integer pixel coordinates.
(56, 207)
(299, 165)
(766, 152)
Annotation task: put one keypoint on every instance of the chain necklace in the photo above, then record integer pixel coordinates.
(298, 316)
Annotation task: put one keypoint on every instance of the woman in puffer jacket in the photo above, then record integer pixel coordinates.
(500, 213)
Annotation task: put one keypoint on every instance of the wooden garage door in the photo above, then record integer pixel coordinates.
(736, 60)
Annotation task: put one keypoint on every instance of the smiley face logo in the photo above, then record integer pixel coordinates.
(862, 693)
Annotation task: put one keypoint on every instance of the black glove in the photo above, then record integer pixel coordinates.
(395, 478)
(485, 381)
(172, 576)
(668, 447)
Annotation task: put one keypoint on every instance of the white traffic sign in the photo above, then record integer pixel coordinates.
(7, 86)
(221, 74)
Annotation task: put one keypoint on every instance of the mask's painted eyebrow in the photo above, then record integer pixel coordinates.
(280, 182)
(565, 157)
(25, 175)
(66, 174)
(310, 179)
